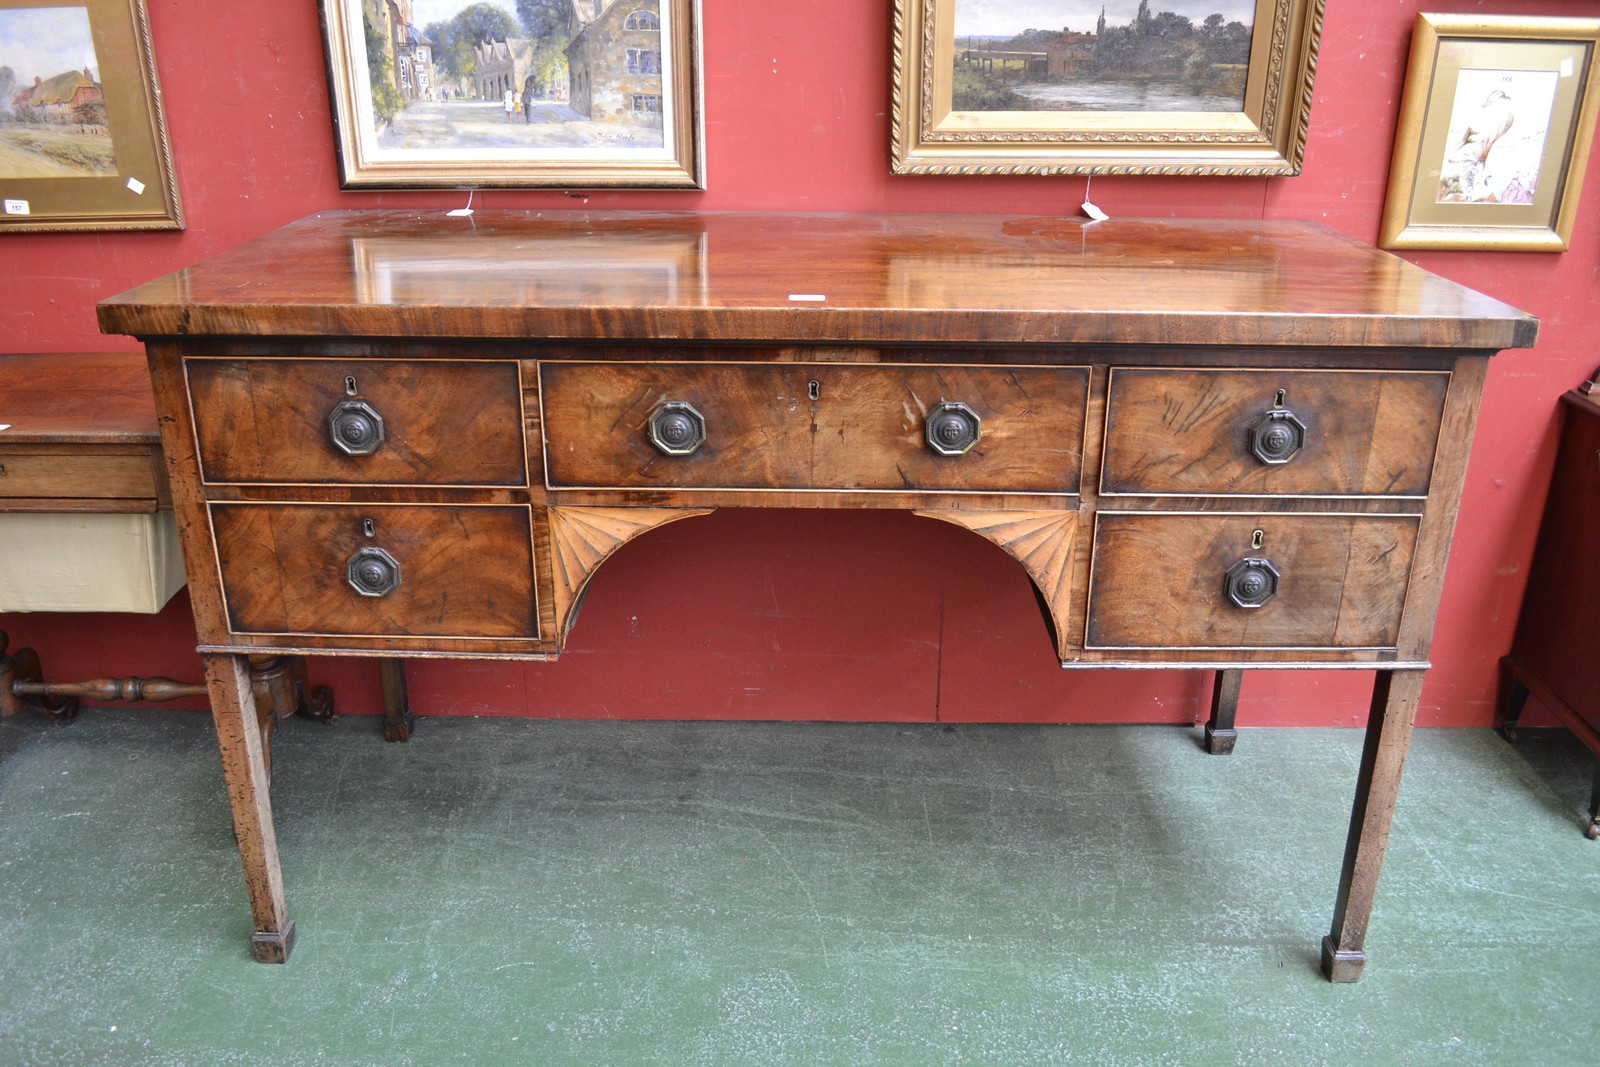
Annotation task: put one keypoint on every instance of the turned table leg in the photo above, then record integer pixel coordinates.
(1383, 760)
(1220, 732)
(244, 768)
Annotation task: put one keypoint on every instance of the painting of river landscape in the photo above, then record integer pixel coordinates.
(1121, 55)
(52, 108)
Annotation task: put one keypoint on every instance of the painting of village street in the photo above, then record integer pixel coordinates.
(514, 78)
(1101, 55)
(52, 111)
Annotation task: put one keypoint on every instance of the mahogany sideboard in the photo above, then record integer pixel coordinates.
(1210, 444)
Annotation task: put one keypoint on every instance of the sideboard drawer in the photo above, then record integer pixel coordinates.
(427, 571)
(1272, 432)
(358, 421)
(815, 426)
(1168, 580)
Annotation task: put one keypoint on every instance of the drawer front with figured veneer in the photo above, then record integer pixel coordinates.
(1227, 581)
(455, 571)
(1272, 432)
(378, 421)
(814, 426)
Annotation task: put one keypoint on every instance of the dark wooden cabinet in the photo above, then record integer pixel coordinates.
(1212, 445)
(1557, 645)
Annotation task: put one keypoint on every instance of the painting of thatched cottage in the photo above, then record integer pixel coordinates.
(72, 97)
(53, 121)
(615, 60)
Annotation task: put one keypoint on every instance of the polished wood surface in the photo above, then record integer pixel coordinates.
(79, 433)
(462, 570)
(453, 423)
(1366, 433)
(848, 278)
(865, 429)
(553, 385)
(77, 397)
(1159, 580)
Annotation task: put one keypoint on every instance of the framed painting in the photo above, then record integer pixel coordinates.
(464, 94)
(1496, 124)
(83, 143)
(1103, 86)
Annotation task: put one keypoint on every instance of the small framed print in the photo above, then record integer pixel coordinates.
(1495, 130)
(83, 143)
(571, 94)
(1222, 88)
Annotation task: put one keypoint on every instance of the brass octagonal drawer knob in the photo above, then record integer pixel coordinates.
(373, 572)
(676, 428)
(1251, 582)
(355, 428)
(1276, 436)
(952, 428)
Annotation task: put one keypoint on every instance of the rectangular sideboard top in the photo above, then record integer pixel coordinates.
(890, 278)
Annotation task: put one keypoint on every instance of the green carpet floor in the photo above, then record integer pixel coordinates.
(547, 892)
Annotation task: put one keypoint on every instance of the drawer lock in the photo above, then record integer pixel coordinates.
(355, 428)
(1251, 582)
(952, 428)
(676, 428)
(373, 572)
(1276, 436)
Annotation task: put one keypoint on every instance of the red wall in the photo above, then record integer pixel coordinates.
(804, 614)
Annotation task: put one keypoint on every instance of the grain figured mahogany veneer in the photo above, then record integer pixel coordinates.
(1211, 445)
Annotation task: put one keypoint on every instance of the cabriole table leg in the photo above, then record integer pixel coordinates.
(1383, 760)
(245, 771)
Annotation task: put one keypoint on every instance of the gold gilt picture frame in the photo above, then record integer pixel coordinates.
(1186, 87)
(1495, 130)
(463, 94)
(83, 141)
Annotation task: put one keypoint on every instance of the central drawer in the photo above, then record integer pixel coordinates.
(377, 570)
(813, 426)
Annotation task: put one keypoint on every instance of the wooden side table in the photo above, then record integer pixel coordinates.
(1558, 631)
(87, 525)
